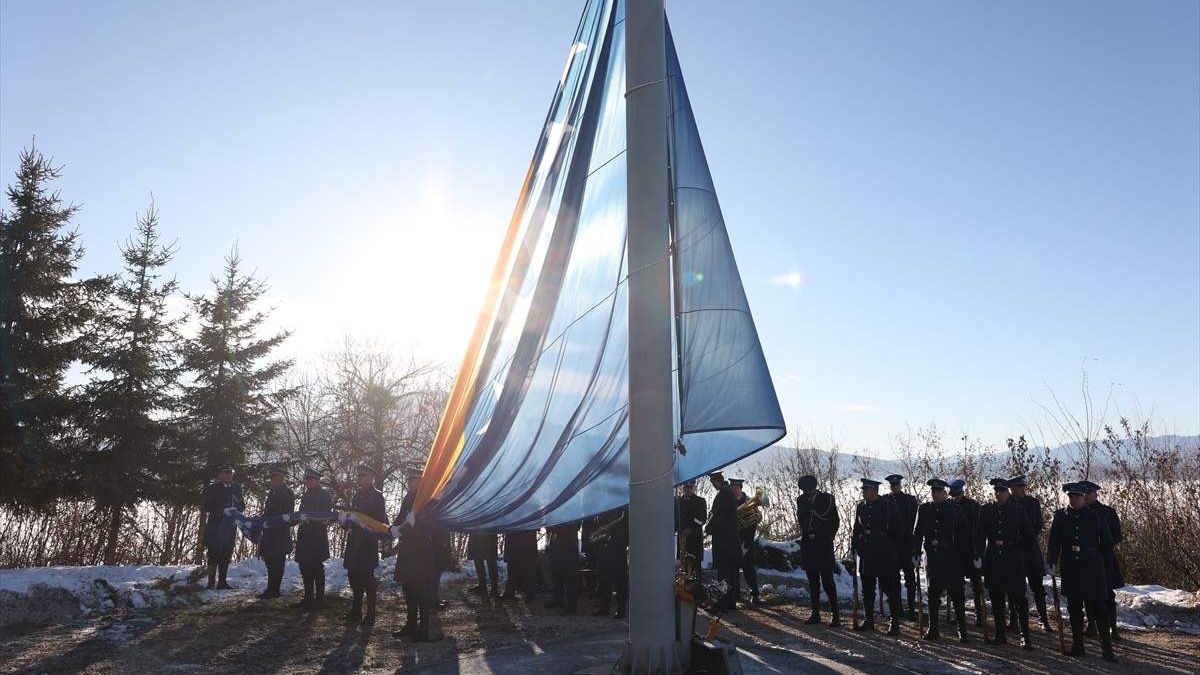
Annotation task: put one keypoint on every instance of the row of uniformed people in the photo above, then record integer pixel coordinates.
(962, 539)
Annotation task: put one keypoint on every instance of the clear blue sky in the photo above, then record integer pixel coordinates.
(940, 209)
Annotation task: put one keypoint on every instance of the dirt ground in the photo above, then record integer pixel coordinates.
(242, 635)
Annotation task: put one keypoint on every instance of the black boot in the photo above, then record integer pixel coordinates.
(960, 618)
(308, 594)
(932, 633)
(355, 615)
(1112, 620)
(1090, 631)
(1023, 622)
(1106, 643)
(894, 606)
(212, 577)
(1076, 637)
(318, 602)
(369, 617)
(869, 622)
(1042, 612)
(998, 615)
(222, 571)
(815, 617)
(836, 621)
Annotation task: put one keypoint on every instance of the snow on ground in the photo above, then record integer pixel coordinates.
(50, 594)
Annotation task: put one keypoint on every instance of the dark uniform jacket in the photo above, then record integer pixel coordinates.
(1001, 537)
(482, 545)
(612, 547)
(416, 557)
(1078, 542)
(277, 541)
(362, 549)
(722, 525)
(562, 550)
(1034, 563)
(312, 538)
(1112, 523)
(817, 516)
(943, 531)
(690, 514)
(520, 549)
(906, 505)
(220, 530)
(877, 536)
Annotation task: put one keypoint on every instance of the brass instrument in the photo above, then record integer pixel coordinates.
(601, 534)
(749, 514)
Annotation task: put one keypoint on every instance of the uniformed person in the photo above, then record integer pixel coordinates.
(748, 538)
(1112, 570)
(611, 546)
(1078, 543)
(521, 554)
(817, 516)
(1000, 538)
(1034, 563)
(220, 530)
(727, 549)
(362, 549)
(876, 540)
(562, 554)
(970, 509)
(417, 567)
(312, 542)
(276, 542)
(482, 550)
(942, 531)
(691, 511)
(906, 504)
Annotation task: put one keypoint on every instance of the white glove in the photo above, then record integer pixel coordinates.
(979, 563)
(230, 510)
(394, 531)
(411, 520)
(343, 518)
(287, 518)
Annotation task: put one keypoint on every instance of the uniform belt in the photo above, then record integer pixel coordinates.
(1002, 542)
(1088, 549)
(933, 542)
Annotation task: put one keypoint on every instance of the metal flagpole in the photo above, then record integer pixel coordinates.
(652, 647)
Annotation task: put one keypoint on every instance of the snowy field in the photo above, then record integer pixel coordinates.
(60, 593)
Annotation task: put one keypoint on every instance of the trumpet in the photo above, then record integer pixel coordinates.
(749, 514)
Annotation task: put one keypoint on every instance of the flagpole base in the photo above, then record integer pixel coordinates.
(652, 660)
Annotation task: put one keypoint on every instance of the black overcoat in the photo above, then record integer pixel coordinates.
(1078, 543)
(722, 525)
(482, 546)
(906, 506)
(876, 537)
(276, 541)
(943, 532)
(362, 549)
(220, 530)
(1112, 523)
(817, 516)
(690, 514)
(312, 538)
(1034, 562)
(562, 551)
(416, 556)
(1001, 537)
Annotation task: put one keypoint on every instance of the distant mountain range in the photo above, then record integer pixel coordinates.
(849, 462)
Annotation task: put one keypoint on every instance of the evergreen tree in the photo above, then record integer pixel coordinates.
(44, 314)
(129, 422)
(230, 404)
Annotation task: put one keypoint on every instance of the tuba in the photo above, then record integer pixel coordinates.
(749, 514)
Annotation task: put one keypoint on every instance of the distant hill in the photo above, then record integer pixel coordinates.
(885, 466)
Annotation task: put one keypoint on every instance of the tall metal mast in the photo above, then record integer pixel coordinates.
(652, 644)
